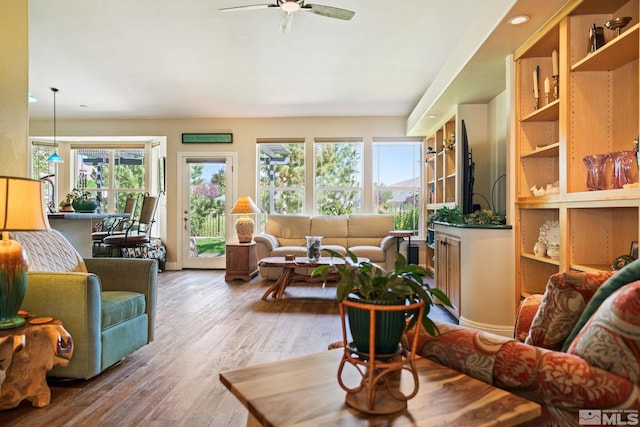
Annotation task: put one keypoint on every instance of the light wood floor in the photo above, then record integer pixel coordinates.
(204, 326)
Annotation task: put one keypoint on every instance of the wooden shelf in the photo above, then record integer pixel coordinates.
(551, 150)
(548, 113)
(614, 54)
(543, 259)
(597, 112)
(591, 268)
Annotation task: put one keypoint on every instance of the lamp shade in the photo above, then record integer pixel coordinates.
(21, 209)
(55, 158)
(244, 225)
(244, 205)
(21, 204)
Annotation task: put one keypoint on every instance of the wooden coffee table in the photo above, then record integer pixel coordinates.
(288, 271)
(305, 391)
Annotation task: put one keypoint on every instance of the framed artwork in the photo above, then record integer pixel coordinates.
(207, 138)
(162, 174)
(634, 250)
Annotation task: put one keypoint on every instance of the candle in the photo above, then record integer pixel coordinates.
(554, 62)
(535, 83)
(547, 87)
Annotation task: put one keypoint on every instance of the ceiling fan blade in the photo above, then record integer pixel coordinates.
(248, 7)
(286, 22)
(329, 11)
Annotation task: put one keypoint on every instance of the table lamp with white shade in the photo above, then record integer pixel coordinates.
(21, 209)
(245, 225)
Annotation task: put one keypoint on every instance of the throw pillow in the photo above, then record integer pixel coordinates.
(565, 298)
(611, 338)
(628, 274)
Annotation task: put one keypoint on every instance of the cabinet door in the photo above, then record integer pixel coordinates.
(448, 269)
(453, 274)
(441, 263)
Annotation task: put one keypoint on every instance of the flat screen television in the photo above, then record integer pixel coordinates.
(468, 169)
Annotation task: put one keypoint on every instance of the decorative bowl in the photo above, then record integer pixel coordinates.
(85, 206)
(617, 23)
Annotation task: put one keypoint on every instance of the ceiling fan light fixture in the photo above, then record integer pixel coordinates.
(290, 6)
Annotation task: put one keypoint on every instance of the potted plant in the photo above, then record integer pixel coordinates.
(367, 283)
(66, 204)
(81, 201)
(454, 215)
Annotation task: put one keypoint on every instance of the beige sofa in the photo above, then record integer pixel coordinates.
(366, 235)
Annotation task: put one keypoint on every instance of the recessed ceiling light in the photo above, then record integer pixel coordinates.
(432, 116)
(520, 19)
(290, 6)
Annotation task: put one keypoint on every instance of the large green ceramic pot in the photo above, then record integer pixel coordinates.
(389, 325)
(85, 206)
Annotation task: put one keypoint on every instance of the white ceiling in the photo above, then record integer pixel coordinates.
(185, 58)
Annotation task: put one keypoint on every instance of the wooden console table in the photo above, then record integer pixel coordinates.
(26, 354)
(305, 391)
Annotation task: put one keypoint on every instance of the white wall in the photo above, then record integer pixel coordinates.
(498, 131)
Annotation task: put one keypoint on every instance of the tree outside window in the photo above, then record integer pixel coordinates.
(338, 178)
(281, 178)
(93, 169)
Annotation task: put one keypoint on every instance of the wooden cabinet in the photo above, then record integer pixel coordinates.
(242, 261)
(596, 112)
(447, 278)
(473, 268)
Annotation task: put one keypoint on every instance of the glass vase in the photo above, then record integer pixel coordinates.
(621, 172)
(314, 247)
(596, 166)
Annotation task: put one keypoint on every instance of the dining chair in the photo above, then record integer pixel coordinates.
(137, 233)
(113, 225)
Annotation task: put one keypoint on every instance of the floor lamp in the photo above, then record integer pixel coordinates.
(21, 209)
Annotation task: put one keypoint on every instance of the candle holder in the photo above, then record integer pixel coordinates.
(555, 89)
(547, 97)
(535, 103)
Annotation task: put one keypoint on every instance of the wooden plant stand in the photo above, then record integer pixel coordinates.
(379, 390)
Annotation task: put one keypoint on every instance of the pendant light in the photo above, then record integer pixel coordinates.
(54, 158)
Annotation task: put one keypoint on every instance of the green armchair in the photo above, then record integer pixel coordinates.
(107, 305)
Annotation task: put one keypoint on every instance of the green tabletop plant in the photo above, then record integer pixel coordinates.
(80, 200)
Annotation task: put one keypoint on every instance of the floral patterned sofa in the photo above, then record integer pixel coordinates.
(581, 347)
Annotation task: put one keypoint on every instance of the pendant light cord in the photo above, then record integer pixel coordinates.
(54, 90)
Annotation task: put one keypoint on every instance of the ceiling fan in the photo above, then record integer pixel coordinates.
(290, 7)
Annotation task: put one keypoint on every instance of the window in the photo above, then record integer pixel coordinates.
(45, 171)
(112, 174)
(349, 176)
(281, 177)
(338, 177)
(397, 178)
